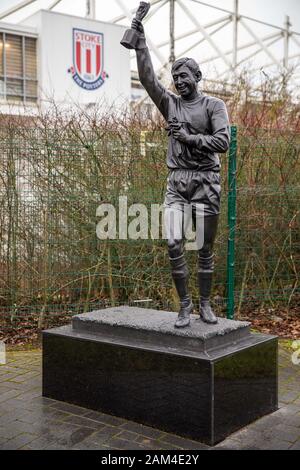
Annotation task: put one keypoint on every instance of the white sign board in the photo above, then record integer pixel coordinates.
(80, 60)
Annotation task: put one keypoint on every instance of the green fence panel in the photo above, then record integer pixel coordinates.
(231, 222)
(52, 265)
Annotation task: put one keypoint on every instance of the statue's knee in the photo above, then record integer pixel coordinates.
(206, 258)
(206, 250)
(175, 248)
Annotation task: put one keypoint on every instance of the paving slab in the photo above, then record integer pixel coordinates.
(50, 424)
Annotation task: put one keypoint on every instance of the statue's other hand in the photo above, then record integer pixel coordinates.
(138, 26)
(176, 126)
(180, 134)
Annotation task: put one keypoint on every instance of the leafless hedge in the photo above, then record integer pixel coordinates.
(56, 168)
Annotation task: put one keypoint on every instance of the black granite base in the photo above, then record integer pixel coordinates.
(204, 395)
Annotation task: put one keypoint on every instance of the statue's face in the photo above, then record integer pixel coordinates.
(185, 81)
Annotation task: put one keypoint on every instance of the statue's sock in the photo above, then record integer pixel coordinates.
(205, 285)
(205, 276)
(180, 276)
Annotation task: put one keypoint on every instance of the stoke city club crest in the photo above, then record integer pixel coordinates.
(88, 59)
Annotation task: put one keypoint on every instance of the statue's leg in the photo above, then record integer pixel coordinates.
(206, 268)
(206, 203)
(174, 230)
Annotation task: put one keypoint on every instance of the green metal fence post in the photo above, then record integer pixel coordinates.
(231, 222)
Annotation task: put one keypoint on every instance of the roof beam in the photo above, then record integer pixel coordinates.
(240, 16)
(195, 30)
(203, 31)
(295, 40)
(197, 43)
(124, 16)
(244, 46)
(16, 8)
(258, 51)
(260, 42)
(53, 4)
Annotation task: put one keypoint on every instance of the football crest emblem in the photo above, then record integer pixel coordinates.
(88, 59)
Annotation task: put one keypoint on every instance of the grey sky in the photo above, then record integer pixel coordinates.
(272, 11)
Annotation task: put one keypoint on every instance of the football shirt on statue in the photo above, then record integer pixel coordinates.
(206, 119)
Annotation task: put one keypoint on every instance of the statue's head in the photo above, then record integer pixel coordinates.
(186, 76)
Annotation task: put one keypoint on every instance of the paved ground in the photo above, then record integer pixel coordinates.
(28, 421)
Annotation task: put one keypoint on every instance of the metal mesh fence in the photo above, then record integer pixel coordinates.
(53, 265)
(267, 243)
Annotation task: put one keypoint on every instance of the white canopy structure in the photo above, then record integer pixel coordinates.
(223, 41)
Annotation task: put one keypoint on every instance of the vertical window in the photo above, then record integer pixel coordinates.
(14, 68)
(30, 69)
(18, 79)
(2, 82)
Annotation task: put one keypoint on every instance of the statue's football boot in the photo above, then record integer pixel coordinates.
(206, 313)
(183, 319)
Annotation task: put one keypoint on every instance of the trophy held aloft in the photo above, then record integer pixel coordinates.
(131, 36)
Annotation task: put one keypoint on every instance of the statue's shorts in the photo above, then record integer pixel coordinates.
(201, 189)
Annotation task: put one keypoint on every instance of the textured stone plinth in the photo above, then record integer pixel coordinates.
(203, 382)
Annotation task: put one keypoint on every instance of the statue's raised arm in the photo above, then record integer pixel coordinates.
(134, 38)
